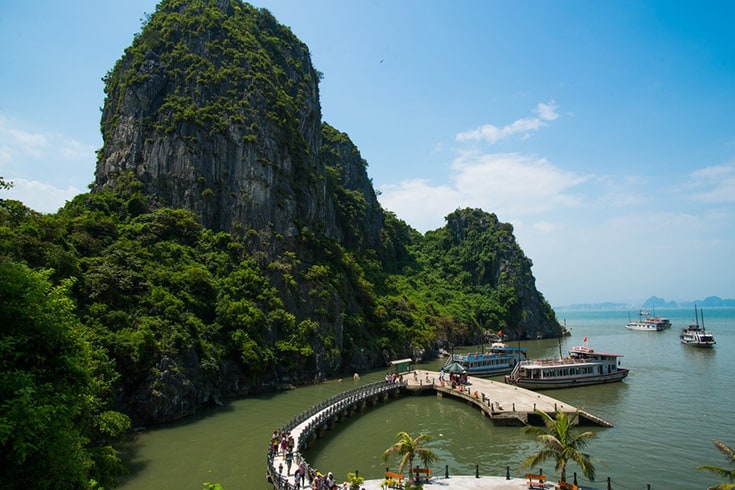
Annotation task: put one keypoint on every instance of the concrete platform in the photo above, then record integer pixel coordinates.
(465, 483)
(505, 404)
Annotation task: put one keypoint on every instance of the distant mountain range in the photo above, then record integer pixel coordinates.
(653, 302)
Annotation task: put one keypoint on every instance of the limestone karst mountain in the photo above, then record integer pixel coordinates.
(214, 109)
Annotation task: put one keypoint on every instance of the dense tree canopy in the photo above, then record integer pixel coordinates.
(150, 283)
(54, 429)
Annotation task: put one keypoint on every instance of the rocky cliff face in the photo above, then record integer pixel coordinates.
(217, 110)
(214, 108)
(487, 248)
(358, 210)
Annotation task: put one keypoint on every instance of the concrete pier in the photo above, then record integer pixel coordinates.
(504, 404)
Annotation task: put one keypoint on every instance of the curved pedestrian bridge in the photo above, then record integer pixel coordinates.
(503, 404)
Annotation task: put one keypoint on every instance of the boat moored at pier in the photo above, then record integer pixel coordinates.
(499, 359)
(583, 366)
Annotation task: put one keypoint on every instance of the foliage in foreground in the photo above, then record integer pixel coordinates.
(720, 471)
(561, 443)
(213, 486)
(407, 449)
(55, 428)
(355, 482)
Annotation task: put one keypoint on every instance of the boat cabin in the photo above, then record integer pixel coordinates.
(582, 361)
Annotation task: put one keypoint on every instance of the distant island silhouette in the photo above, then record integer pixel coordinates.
(652, 303)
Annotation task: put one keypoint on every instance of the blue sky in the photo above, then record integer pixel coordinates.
(603, 131)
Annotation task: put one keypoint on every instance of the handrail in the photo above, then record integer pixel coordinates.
(320, 414)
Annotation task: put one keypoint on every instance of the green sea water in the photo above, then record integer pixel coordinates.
(674, 402)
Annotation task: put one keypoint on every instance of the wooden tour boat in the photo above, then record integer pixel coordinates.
(583, 366)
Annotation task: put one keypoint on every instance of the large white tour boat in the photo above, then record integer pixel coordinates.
(695, 335)
(649, 323)
(499, 359)
(582, 367)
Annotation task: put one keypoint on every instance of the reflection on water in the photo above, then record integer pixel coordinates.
(674, 402)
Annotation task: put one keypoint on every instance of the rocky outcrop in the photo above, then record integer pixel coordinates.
(217, 110)
(359, 213)
(487, 252)
(214, 108)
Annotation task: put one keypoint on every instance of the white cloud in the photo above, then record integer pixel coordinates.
(514, 184)
(626, 192)
(39, 196)
(24, 142)
(44, 167)
(74, 150)
(510, 185)
(547, 111)
(607, 233)
(714, 184)
(420, 204)
(26, 149)
(492, 134)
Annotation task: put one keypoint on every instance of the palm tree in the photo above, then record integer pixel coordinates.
(719, 471)
(560, 443)
(408, 448)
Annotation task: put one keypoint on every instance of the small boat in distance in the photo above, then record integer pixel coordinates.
(648, 323)
(499, 359)
(695, 335)
(582, 367)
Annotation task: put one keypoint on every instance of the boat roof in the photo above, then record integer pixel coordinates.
(583, 349)
(549, 363)
(596, 353)
(502, 346)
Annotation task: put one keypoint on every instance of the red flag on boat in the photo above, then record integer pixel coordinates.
(585, 340)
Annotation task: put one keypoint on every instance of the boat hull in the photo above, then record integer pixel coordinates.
(697, 343)
(695, 335)
(646, 327)
(570, 382)
(648, 323)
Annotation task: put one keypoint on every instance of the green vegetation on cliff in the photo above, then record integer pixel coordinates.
(56, 425)
(226, 67)
(167, 300)
(233, 243)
